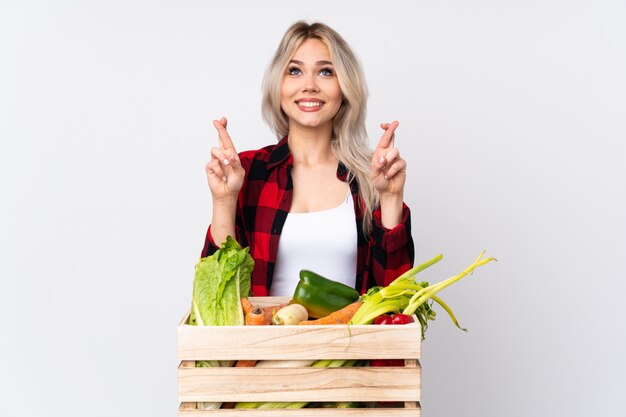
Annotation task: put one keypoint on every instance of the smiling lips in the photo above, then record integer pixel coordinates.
(309, 104)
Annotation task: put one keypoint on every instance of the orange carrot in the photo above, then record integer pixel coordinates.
(246, 305)
(258, 315)
(257, 318)
(342, 316)
(242, 363)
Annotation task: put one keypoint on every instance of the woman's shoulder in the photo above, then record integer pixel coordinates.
(268, 154)
(261, 153)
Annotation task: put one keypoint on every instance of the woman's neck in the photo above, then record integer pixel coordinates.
(310, 146)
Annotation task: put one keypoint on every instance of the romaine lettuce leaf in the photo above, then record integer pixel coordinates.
(220, 281)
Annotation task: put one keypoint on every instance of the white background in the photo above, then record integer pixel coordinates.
(512, 123)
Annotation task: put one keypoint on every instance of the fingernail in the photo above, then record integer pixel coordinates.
(224, 179)
(382, 159)
(226, 161)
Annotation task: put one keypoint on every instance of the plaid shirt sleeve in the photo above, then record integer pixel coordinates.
(391, 250)
(262, 207)
(210, 247)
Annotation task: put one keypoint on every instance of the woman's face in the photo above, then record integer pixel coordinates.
(310, 94)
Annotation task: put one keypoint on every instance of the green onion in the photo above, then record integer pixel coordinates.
(405, 294)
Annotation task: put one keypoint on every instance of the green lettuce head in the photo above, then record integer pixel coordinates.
(221, 280)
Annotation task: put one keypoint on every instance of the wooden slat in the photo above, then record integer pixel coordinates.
(307, 412)
(269, 301)
(299, 342)
(188, 406)
(299, 384)
(185, 319)
(412, 363)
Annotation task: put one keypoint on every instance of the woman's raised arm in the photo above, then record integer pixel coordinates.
(225, 176)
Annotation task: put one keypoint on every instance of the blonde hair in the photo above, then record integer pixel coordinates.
(349, 143)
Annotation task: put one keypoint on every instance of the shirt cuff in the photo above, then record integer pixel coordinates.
(393, 239)
(209, 245)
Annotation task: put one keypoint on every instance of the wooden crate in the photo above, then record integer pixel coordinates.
(306, 384)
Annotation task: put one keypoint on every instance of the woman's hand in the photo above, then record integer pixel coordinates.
(224, 172)
(388, 172)
(388, 175)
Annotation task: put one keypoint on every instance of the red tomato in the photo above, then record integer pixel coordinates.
(383, 319)
(402, 319)
(387, 319)
(387, 362)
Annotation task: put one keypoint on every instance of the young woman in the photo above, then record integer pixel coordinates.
(319, 199)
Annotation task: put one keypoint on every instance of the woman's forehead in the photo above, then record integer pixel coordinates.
(311, 51)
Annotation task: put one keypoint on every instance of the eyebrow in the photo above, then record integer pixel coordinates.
(295, 61)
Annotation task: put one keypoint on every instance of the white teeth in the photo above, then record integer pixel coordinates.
(309, 103)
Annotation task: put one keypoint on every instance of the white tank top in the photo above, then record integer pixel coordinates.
(324, 242)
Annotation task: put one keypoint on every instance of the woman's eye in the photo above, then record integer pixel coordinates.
(327, 72)
(293, 71)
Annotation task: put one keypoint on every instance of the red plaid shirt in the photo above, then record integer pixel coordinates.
(264, 203)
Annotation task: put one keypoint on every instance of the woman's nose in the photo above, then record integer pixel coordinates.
(310, 84)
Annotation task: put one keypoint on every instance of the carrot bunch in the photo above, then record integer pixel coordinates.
(262, 316)
(258, 316)
(342, 316)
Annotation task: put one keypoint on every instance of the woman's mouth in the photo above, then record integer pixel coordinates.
(309, 104)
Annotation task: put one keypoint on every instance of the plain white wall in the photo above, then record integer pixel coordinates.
(512, 123)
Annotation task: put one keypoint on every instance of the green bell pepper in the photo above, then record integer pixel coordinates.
(322, 296)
